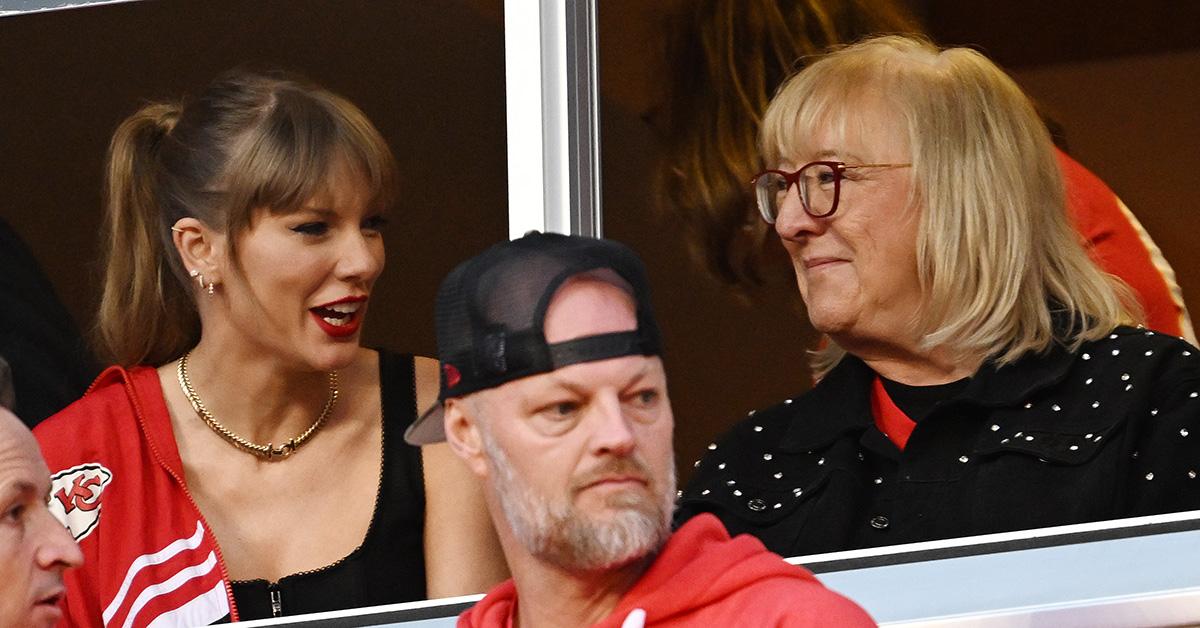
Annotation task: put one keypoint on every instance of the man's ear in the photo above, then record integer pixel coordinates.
(462, 433)
(201, 249)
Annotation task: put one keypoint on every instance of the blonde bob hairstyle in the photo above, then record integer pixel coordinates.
(1002, 270)
(250, 142)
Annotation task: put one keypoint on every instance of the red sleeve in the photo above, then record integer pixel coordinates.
(1119, 244)
(66, 440)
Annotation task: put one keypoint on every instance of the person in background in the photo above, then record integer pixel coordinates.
(245, 440)
(983, 374)
(554, 394)
(35, 548)
(727, 59)
(49, 362)
(7, 394)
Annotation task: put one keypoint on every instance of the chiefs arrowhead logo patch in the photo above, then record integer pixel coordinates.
(75, 497)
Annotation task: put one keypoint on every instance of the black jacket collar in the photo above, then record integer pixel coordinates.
(841, 402)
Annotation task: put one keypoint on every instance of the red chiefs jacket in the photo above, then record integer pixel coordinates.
(703, 578)
(1120, 245)
(118, 485)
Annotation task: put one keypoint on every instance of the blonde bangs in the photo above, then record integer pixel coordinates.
(300, 143)
(807, 101)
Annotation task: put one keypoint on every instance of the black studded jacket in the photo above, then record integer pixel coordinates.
(1110, 431)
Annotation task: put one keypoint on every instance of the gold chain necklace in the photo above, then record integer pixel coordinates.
(268, 451)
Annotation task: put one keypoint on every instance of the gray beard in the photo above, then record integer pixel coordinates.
(554, 531)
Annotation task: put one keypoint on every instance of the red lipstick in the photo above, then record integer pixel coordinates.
(341, 318)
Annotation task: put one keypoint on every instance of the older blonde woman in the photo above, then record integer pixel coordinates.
(982, 373)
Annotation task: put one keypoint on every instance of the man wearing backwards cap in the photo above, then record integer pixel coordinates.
(554, 394)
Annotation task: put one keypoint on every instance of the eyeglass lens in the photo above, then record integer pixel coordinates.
(817, 184)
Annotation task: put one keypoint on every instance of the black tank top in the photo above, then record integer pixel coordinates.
(389, 565)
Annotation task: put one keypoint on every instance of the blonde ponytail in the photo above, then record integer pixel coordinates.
(146, 316)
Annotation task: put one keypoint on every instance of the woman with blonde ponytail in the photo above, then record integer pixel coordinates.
(244, 458)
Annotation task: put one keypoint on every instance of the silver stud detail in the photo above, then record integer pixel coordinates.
(1074, 447)
(1112, 337)
(1187, 353)
(695, 464)
(767, 456)
(1128, 387)
(1088, 435)
(821, 462)
(1095, 404)
(1116, 352)
(1028, 406)
(787, 401)
(1003, 440)
(712, 446)
(1194, 395)
(778, 476)
(1192, 474)
(1154, 412)
(1087, 356)
(705, 492)
(1028, 438)
(730, 482)
(1124, 377)
(963, 459)
(1183, 432)
(1088, 382)
(757, 428)
(1149, 353)
(1149, 476)
(1097, 439)
(879, 480)
(860, 456)
(1056, 407)
(721, 466)
(737, 493)
(678, 494)
(797, 491)
(757, 505)
(1018, 434)
(995, 428)
(1134, 455)
(751, 413)
(778, 505)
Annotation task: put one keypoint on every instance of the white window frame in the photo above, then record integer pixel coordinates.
(553, 119)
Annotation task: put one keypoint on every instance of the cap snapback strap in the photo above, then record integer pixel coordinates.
(601, 347)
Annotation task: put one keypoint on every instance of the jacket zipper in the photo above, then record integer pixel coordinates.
(135, 401)
(276, 601)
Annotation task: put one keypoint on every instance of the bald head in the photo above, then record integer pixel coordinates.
(35, 548)
(589, 304)
(7, 419)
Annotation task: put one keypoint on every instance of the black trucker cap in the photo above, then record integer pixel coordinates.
(491, 310)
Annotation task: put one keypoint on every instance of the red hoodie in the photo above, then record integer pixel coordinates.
(1120, 245)
(704, 578)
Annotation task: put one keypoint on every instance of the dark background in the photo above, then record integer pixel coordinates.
(1123, 79)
